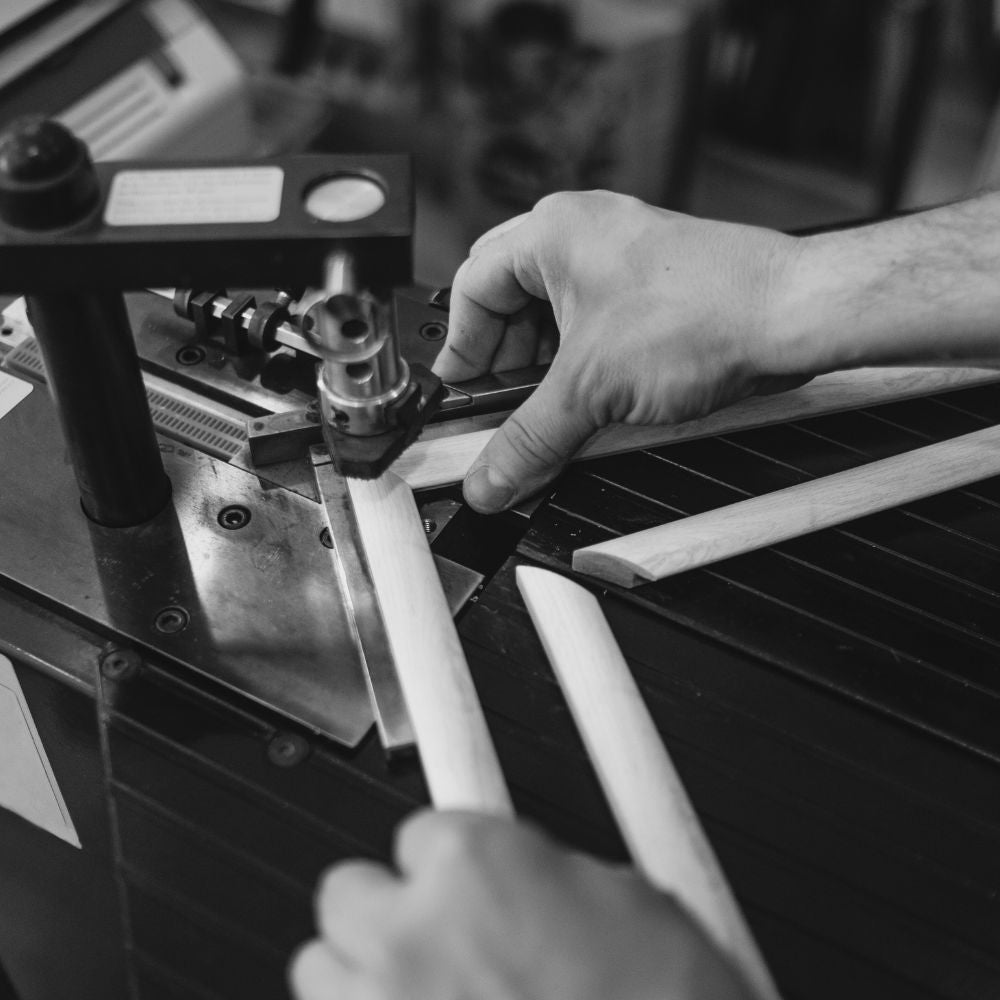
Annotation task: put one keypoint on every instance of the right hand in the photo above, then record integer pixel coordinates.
(662, 318)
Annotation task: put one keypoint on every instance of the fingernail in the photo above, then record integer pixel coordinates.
(488, 490)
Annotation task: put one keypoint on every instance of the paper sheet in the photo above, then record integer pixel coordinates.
(28, 786)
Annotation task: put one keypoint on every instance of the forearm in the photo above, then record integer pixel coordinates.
(920, 289)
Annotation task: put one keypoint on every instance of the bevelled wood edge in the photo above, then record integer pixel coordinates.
(442, 461)
(646, 795)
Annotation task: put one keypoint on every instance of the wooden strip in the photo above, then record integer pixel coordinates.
(442, 460)
(657, 821)
(457, 754)
(751, 524)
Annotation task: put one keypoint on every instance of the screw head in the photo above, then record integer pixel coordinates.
(171, 620)
(118, 663)
(190, 355)
(287, 749)
(234, 517)
(433, 330)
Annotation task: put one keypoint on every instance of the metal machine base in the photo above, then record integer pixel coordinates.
(233, 579)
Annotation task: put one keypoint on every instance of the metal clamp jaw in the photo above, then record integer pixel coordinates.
(372, 403)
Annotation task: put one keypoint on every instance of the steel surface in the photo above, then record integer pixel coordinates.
(265, 615)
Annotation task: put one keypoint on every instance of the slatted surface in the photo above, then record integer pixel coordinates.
(833, 701)
(831, 706)
(218, 847)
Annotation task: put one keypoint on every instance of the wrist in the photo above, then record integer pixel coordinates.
(920, 289)
(814, 323)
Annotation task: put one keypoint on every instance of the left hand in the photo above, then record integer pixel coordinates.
(488, 909)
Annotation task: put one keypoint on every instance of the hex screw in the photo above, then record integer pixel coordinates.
(433, 331)
(287, 749)
(171, 620)
(234, 517)
(190, 356)
(430, 525)
(119, 663)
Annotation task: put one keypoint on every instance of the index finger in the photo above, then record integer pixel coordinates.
(495, 282)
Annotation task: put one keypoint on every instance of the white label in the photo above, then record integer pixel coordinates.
(27, 785)
(183, 196)
(12, 391)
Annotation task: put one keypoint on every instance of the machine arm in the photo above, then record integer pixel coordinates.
(73, 235)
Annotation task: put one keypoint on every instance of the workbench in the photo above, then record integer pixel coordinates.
(831, 705)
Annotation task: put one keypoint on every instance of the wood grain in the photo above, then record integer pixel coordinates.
(650, 804)
(442, 460)
(704, 538)
(457, 754)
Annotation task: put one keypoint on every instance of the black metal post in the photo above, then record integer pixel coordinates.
(48, 183)
(93, 370)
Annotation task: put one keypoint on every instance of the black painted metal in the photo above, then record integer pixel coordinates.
(286, 251)
(93, 372)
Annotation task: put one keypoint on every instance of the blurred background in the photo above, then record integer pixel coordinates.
(788, 113)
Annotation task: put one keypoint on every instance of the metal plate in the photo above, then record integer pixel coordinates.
(263, 611)
(389, 706)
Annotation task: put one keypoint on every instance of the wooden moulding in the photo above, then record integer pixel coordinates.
(776, 517)
(647, 798)
(458, 758)
(441, 461)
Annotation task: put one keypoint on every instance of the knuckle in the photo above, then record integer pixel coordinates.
(554, 203)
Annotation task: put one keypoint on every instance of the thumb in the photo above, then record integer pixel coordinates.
(528, 450)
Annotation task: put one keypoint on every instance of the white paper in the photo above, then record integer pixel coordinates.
(12, 391)
(27, 785)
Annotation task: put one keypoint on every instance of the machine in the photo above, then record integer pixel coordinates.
(186, 702)
(174, 440)
(243, 384)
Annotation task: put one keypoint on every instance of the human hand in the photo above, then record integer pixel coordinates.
(662, 318)
(490, 909)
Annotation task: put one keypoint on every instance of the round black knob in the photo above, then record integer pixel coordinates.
(47, 179)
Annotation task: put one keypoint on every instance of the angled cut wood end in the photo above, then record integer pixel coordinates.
(610, 567)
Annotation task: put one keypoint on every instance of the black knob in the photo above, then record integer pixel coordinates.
(47, 179)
